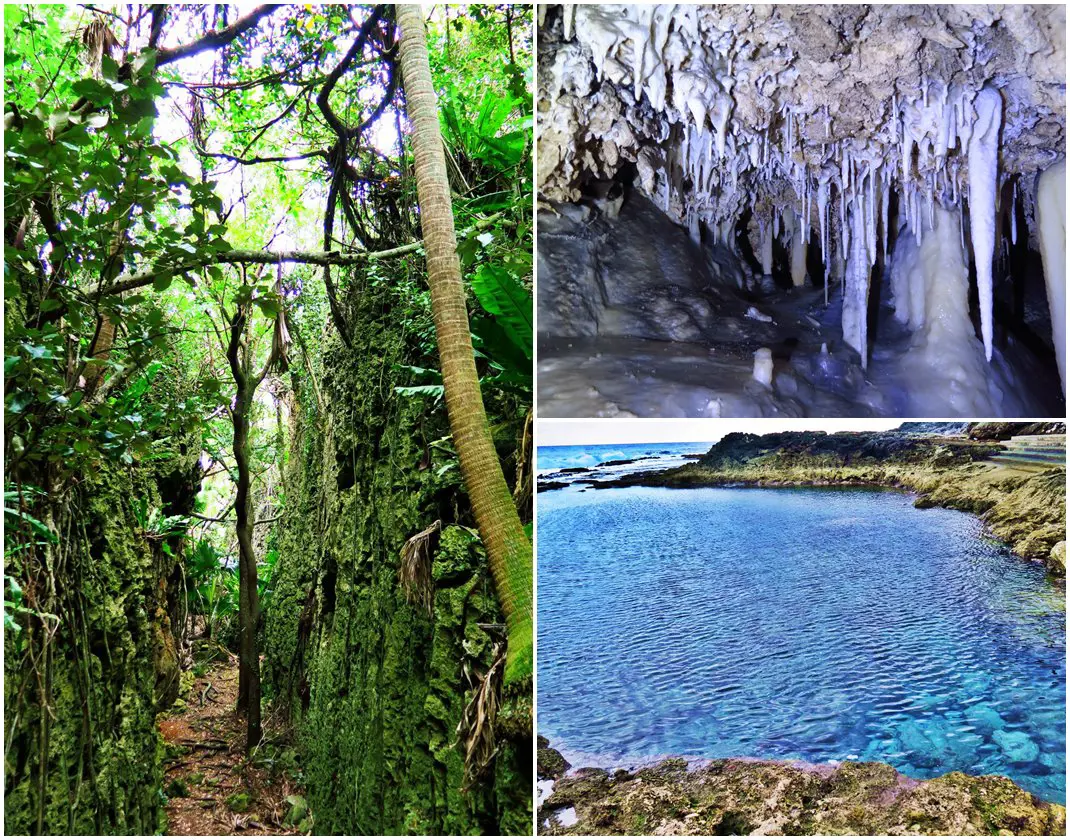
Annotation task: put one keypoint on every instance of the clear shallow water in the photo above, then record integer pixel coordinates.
(811, 624)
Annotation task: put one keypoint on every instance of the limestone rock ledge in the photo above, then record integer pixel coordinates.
(745, 796)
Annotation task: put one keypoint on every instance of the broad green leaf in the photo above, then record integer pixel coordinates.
(502, 296)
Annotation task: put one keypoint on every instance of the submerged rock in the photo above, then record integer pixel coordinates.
(743, 796)
(1017, 746)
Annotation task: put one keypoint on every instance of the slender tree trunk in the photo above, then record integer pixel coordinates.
(508, 547)
(248, 600)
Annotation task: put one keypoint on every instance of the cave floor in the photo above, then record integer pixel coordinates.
(815, 374)
(211, 788)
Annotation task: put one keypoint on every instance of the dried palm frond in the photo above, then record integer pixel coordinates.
(99, 41)
(415, 571)
(522, 489)
(197, 121)
(476, 729)
(280, 339)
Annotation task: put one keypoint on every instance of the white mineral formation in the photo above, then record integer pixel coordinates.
(984, 176)
(946, 359)
(849, 127)
(1051, 215)
(763, 366)
(856, 288)
(799, 236)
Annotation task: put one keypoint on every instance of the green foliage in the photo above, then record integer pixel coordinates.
(114, 169)
(482, 137)
(212, 588)
(488, 131)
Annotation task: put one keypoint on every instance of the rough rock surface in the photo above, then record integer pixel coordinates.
(1005, 431)
(551, 764)
(640, 276)
(795, 84)
(112, 664)
(375, 684)
(740, 796)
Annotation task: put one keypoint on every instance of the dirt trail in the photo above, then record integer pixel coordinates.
(211, 788)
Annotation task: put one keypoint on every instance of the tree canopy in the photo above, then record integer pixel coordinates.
(166, 164)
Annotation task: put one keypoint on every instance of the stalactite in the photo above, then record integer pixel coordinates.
(1051, 226)
(856, 285)
(799, 235)
(984, 167)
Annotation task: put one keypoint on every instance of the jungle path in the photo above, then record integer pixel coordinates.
(210, 786)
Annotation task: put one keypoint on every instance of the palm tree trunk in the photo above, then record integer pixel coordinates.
(508, 547)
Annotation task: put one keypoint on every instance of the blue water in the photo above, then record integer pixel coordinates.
(562, 457)
(810, 624)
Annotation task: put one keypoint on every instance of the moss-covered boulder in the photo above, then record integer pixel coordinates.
(550, 764)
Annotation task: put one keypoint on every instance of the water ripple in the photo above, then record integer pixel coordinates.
(812, 624)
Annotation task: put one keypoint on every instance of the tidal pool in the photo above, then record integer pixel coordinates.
(821, 625)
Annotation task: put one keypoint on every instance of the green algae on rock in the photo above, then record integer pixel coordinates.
(743, 796)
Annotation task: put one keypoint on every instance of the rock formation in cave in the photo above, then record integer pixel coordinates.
(875, 198)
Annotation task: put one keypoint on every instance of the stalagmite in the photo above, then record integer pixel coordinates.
(1051, 220)
(763, 366)
(798, 252)
(908, 282)
(984, 167)
(856, 286)
(946, 359)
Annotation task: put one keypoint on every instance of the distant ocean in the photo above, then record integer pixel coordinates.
(659, 455)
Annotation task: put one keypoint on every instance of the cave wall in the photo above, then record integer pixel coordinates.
(374, 685)
(111, 666)
(637, 274)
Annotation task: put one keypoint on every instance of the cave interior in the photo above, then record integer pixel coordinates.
(801, 210)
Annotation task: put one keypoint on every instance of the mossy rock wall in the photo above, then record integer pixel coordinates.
(374, 684)
(90, 764)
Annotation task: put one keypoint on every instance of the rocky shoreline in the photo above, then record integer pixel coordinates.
(747, 796)
(1025, 509)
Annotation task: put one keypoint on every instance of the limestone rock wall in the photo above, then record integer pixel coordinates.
(374, 683)
(90, 764)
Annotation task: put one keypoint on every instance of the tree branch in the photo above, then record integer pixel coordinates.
(214, 40)
(255, 160)
(323, 99)
(237, 327)
(129, 282)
